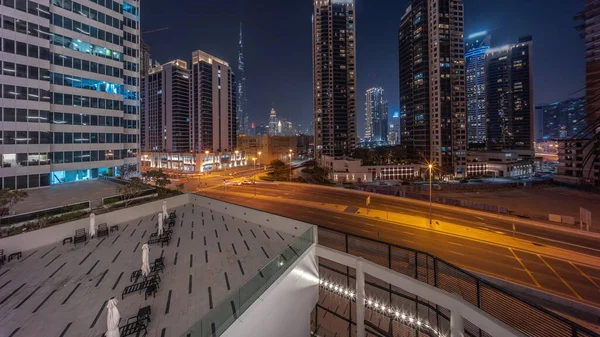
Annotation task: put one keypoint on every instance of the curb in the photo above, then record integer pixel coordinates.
(462, 209)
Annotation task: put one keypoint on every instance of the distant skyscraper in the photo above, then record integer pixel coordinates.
(273, 123)
(242, 100)
(563, 120)
(510, 97)
(376, 116)
(167, 109)
(334, 76)
(145, 65)
(396, 124)
(432, 89)
(212, 104)
(476, 45)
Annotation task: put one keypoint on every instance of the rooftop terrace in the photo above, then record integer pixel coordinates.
(62, 290)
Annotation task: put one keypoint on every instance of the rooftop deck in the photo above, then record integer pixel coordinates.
(61, 290)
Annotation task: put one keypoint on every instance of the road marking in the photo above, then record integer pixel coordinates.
(559, 277)
(450, 251)
(585, 275)
(407, 241)
(525, 268)
(407, 233)
(453, 243)
(480, 218)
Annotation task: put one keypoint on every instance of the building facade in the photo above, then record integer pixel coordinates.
(573, 168)
(376, 116)
(334, 77)
(432, 83)
(213, 122)
(563, 120)
(166, 108)
(590, 31)
(476, 45)
(268, 148)
(69, 91)
(510, 97)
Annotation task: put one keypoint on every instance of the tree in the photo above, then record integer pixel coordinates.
(130, 191)
(127, 170)
(161, 179)
(9, 198)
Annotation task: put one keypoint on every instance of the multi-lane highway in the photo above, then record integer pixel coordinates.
(539, 235)
(548, 273)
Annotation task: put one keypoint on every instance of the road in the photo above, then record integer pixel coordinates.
(541, 236)
(550, 274)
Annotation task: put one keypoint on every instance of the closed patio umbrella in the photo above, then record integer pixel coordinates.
(145, 263)
(112, 319)
(164, 209)
(92, 224)
(160, 224)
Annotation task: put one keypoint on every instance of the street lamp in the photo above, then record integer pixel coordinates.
(290, 155)
(259, 162)
(430, 169)
(254, 159)
(235, 159)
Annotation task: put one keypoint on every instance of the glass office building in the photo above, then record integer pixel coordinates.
(68, 90)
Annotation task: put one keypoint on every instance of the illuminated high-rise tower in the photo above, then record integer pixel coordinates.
(334, 77)
(476, 45)
(242, 114)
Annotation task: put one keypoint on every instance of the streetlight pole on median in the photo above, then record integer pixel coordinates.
(430, 169)
(290, 155)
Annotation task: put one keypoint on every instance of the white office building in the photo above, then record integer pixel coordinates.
(69, 90)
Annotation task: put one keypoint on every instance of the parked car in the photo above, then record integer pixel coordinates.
(464, 181)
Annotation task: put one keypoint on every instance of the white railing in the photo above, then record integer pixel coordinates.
(459, 308)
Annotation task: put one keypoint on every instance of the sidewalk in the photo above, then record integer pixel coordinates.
(446, 228)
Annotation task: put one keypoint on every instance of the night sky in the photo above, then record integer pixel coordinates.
(277, 41)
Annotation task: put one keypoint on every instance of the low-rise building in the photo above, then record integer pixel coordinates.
(193, 162)
(346, 169)
(498, 164)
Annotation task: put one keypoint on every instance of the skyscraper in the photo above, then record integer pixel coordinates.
(590, 25)
(167, 109)
(242, 100)
(476, 45)
(563, 120)
(334, 77)
(376, 116)
(510, 96)
(273, 123)
(69, 87)
(212, 104)
(432, 89)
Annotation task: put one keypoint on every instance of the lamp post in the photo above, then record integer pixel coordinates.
(235, 159)
(259, 162)
(430, 169)
(290, 155)
(254, 159)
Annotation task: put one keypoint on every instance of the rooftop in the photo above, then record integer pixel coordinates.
(62, 290)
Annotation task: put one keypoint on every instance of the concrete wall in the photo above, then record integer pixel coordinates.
(45, 236)
(284, 309)
(276, 222)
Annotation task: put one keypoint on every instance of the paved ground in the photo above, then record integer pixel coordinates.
(537, 202)
(65, 194)
(62, 290)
